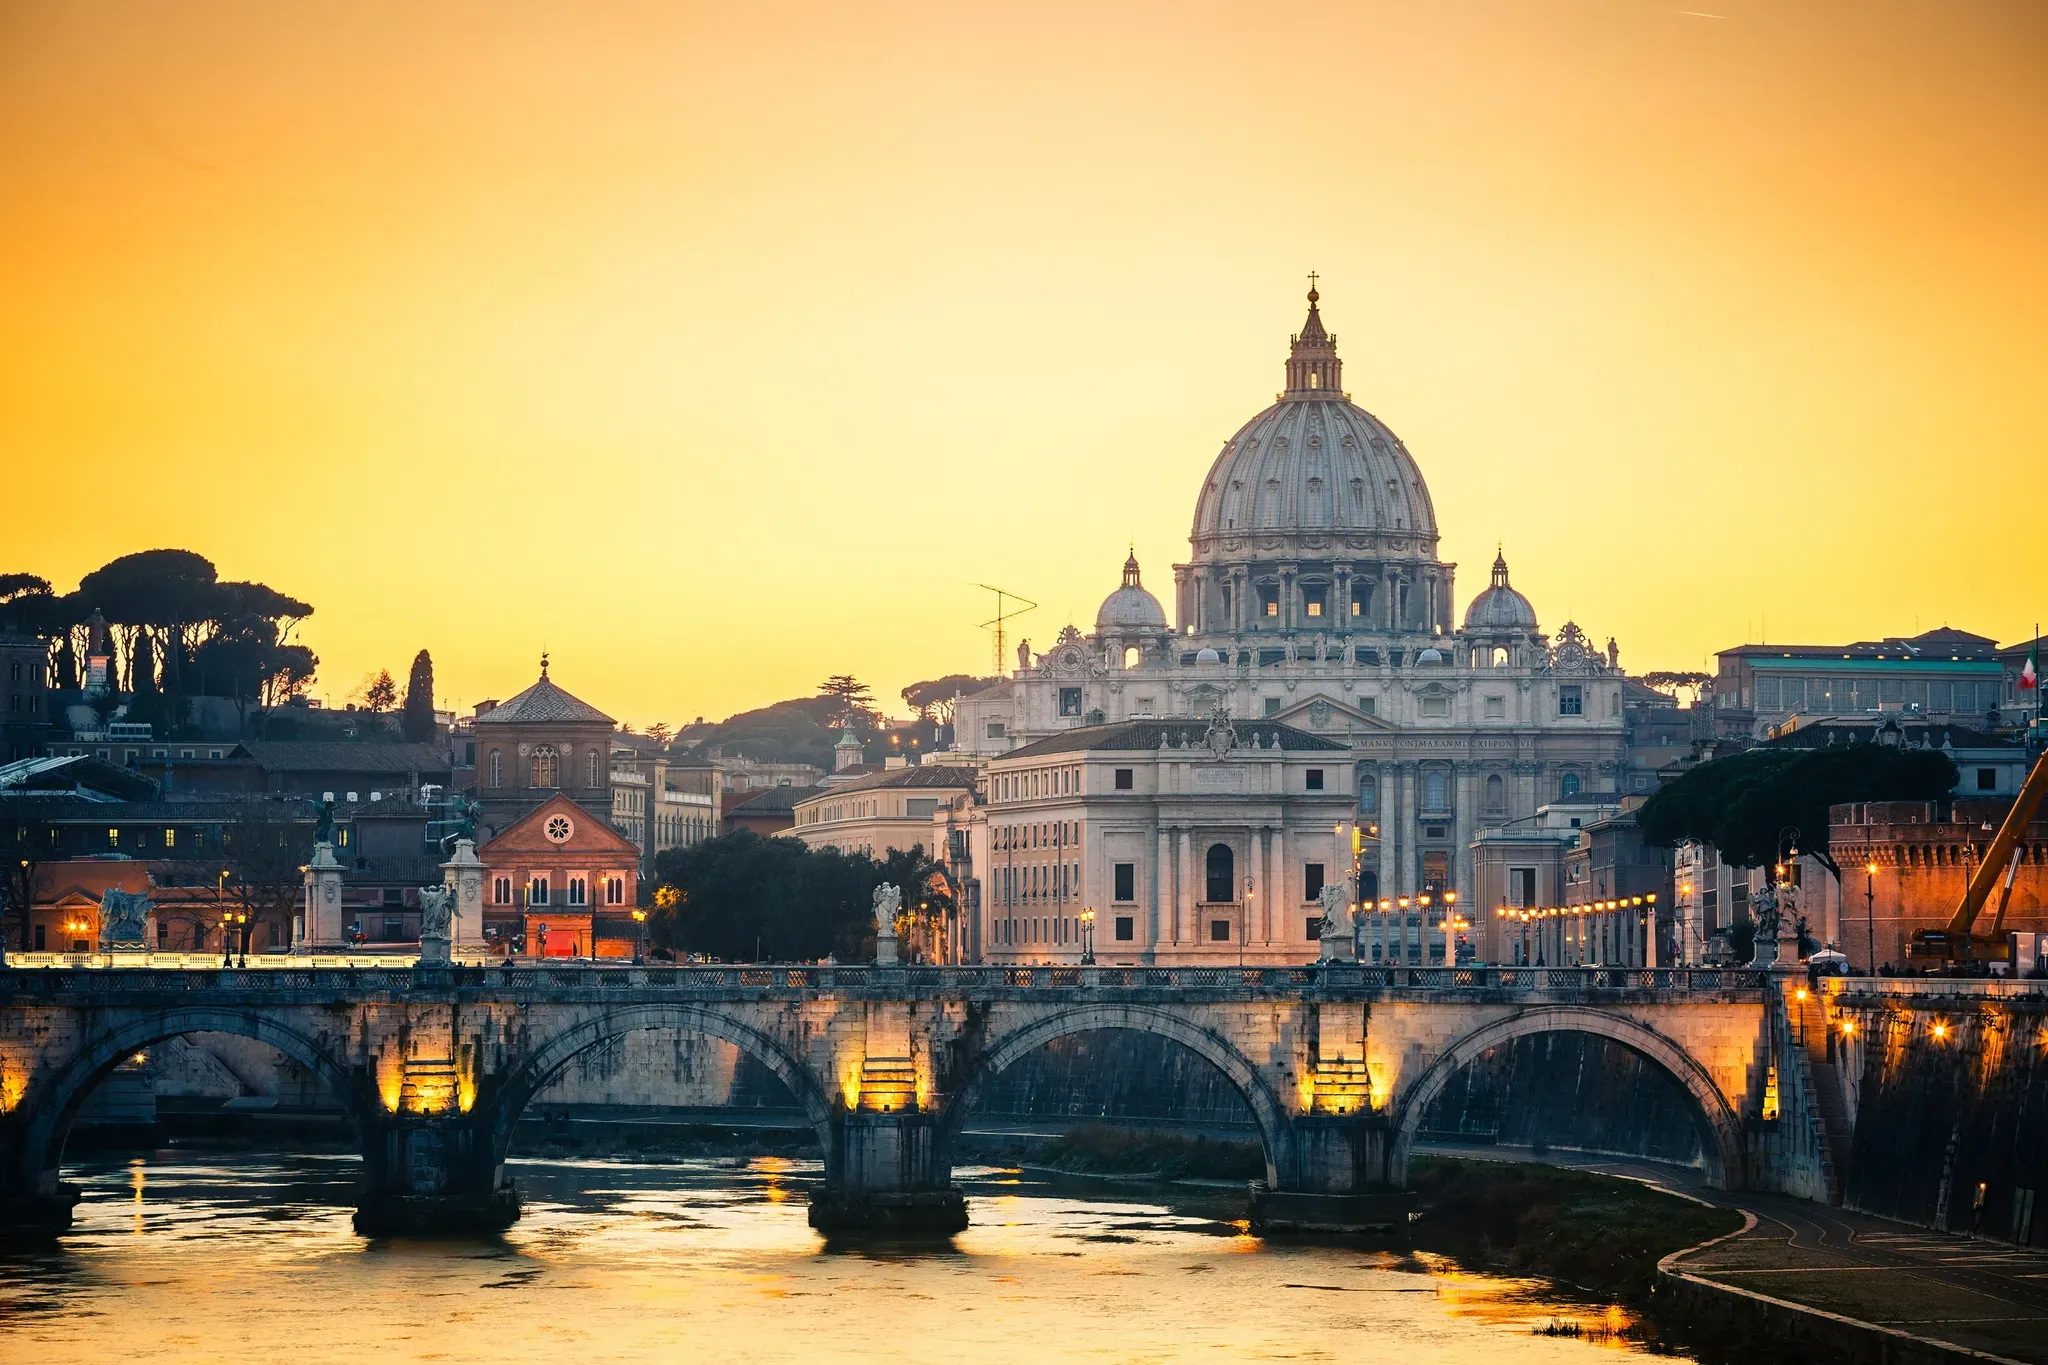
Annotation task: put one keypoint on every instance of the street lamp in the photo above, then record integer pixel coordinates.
(639, 937)
(1870, 911)
(1244, 919)
(1088, 937)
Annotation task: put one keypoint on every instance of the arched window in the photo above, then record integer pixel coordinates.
(501, 891)
(1568, 786)
(546, 769)
(1434, 788)
(1131, 656)
(1222, 879)
(1500, 656)
(497, 768)
(591, 780)
(1368, 794)
(1496, 792)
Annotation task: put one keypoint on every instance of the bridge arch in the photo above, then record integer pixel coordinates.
(546, 1062)
(54, 1103)
(1208, 1044)
(1720, 1128)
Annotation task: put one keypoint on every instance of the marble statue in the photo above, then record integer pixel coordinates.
(323, 821)
(124, 919)
(1335, 930)
(887, 900)
(433, 912)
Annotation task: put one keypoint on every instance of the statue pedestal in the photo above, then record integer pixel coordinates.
(434, 952)
(324, 917)
(464, 875)
(885, 950)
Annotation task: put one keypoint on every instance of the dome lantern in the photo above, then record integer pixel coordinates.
(1313, 369)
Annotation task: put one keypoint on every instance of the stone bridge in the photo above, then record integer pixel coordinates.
(433, 1065)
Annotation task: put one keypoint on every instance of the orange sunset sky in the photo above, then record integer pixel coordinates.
(716, 348)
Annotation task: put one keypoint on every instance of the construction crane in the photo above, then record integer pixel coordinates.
(1002, 615)
(1958, 941)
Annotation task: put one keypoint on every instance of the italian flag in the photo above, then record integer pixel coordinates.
(2030, 676)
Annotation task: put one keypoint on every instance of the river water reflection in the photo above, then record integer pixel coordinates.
(189, 1256)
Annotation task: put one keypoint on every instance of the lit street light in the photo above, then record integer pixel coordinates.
(1088, 937)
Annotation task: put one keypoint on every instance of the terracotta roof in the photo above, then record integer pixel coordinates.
(1135, 736)
(926, 775)
(544, 704)
(771, 799)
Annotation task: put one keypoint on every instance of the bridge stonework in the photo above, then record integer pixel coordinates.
(434, 1065)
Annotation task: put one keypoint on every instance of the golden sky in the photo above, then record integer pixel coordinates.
(716, 348)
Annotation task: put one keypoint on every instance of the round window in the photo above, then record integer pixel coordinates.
(559, 828)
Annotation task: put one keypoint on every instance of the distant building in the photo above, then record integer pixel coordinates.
(25, 719)
(768, 811)
(538, 745)
(1944, 674)
(1519, 871)
(1924, 853)
(889, 811)
(561, 882)
(661, 803)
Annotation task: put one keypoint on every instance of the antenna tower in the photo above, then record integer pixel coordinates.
(1002, 615)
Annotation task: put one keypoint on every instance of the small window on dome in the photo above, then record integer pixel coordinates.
(1315, 381)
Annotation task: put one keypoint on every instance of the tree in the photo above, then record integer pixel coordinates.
(23, 845)
(853, 696)
(1744, 803)
(660, 733)
(265, 846)
(933, 700)
(1673, 683)
(417, 724)
(380, 693)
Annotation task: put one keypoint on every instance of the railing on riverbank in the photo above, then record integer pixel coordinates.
(344, 977)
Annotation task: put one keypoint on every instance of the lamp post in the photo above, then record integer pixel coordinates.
(1401, 904)
(639, 937)
(1870, 911)
(1088, 938)
(1244, 919)
(1451, 926)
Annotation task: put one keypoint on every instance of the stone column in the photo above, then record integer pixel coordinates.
(322, 915)
(1162, 880)
(1184, 891)
(1283, 901)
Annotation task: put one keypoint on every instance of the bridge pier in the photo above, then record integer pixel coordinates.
(1331, 1176)
(883, 1173)
(432, 1174)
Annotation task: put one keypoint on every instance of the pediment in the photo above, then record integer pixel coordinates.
(1330, 717)
(588, 832)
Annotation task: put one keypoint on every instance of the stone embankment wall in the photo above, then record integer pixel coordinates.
(1950, 1103)
(1567, 1090)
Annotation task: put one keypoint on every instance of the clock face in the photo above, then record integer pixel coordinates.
(559, 828)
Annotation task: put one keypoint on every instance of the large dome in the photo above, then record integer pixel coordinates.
(1314, 472)
(1130, 607)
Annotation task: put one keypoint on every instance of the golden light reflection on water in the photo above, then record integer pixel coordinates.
(714, 1260)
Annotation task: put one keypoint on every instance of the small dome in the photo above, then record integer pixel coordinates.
(1130, 607)
(1430, 656)
(1206, 655)
(1500, 607)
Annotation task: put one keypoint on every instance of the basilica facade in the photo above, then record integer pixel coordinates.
(1314, 597)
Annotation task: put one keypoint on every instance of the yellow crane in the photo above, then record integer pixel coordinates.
(1957, 941)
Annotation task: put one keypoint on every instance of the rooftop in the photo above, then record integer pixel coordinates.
(1136, 736)
(544, 704)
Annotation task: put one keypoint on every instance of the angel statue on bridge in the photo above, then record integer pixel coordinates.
(1336, 924)
(887, 901)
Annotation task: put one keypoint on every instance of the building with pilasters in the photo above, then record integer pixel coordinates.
(1314, 598)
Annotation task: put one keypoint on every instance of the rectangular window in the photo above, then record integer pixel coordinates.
(1357, 607)
(40, 944)
(1269, 601)
(113, 838)
(170, 838)
(1272, 706)
(1314, 928)
(1312, 602)
(1496, 708)
(1315, 779)
(995, 729)
(920, 808)
(1437, 707)
(1070, 701)
(1571, 700)
(1125, 779)
(1126, 881)
(393, 896)
(1523, 882)
(1312, 881)
(1219, 931)
(1125, 928)
(1987, 779)
(1369, 705)
(1766, 694)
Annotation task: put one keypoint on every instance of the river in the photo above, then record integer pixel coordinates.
(193, 1255)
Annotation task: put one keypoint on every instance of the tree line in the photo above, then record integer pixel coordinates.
(743, 897)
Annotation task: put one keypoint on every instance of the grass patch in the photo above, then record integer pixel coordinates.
(1592, 1231)
(1100, 1149)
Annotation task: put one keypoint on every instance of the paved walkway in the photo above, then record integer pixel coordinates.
(1965, 1291)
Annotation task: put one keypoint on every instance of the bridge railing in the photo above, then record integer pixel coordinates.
(1339, 977)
